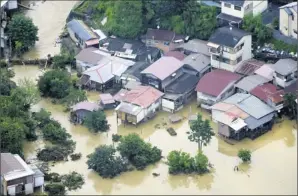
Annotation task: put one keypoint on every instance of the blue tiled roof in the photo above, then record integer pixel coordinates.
(81, 30)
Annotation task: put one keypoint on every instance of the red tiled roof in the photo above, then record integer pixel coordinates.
(268, 91)
(178, 55)
(214, 82)
(142, 95)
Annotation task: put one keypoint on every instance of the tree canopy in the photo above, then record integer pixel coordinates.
(96, 121)
(244, 155)
(23, 32)
(291, 105)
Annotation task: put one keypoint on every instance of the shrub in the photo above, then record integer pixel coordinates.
(96, 121)
(73, 180)
(244, 155)
(75, 156)
(52, 177)
(55, 189)
(116, 137)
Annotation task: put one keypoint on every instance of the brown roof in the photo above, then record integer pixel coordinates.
(163, 67)
(248, 67)
(178, 55)
(163, 35)
(9, 163)
(268, 91)
(143, 96)
(214, 82)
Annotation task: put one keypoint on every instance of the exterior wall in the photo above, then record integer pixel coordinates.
(259, 6)
(81, 114)
(168, 105)
(205, 101)
(151, 80)
(38, 181)
(287, 25)
(153, 107)
(227, 92)
(280, 80)
(15, 186)
(170, 79)
(231, 11)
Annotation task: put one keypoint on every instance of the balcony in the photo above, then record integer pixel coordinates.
(213, 48)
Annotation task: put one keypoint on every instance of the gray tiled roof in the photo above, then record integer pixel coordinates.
(253, 123)
(249, 82)
(285, 66)
(197, 61)
(250, 104)
(196, 45)
(9, 163)
(81, 30)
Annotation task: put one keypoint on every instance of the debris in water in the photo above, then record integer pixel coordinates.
(155, 174)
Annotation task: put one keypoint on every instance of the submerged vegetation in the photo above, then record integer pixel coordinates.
(244, 155)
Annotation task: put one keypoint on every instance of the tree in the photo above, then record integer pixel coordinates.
(96, 121)
(74, 96)
(61, 61)
(137, 151)
(43, 117)
(244, 155)
(106, 163)
(55, 84)
(54, 189)
(201, 132)
(31, 93)
(54, 133)
(6, 85)
(201, 163)
(260, 32)
(180, 162)
(291, 105)
(73, 180)
(23, 32)
(275, 23)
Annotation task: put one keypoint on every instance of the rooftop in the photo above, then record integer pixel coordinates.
(249, 82)
(135, 70)
(81, 29)
(197, 61)
(89, 56)
(248, 67)
(178, 55)
(163, 67)
(268, 91)
(86, 105)
(293, 88)
(106, 98)
(119, 96)
(292, 5)
(214, 82)
(163, 35)
(185, 83)
(266, 71)
(227, 36)
(285, 66)
(129, 108)
(196, 45)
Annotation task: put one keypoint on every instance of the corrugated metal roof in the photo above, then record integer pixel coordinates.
(292, 5)
(253, 123)
(197, 61)
(268, 91)
(120, 95)
(178, 55)
(129, 108)
(266, 71)
(249, 82)
(248, 67)
(197, 46)
(285, 66)
(88, 55)
(106, 98)
(81, 29)
(86, 105)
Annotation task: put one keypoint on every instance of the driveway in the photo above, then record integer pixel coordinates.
(270, 13)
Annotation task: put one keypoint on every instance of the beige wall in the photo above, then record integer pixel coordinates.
(286, 24)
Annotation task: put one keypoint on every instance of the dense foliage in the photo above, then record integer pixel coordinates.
(62, 60)
(244, 155)
(291, 105)
(137, 151)
(54, 189)
(182, 162)
(23, 33)
(55, 84)
(96, 121)
(201, 132)
(74, 96)
(6, 85)
(54, 133)
(73, 180)
(106, 163)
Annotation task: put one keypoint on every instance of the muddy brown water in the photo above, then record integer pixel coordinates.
(273, 169)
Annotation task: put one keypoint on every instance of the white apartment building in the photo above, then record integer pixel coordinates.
(288, 20)
(234, 10)
(229, 46)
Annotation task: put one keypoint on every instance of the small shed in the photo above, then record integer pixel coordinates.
(107, 101)
(80, 110)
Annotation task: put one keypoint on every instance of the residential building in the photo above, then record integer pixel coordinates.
(130, 49)
(80, 110)
(133, 73)
(270, 94)
(242, 115)
(17, 177)
(248, 67)
(179, 92)
(81, 34)
(107, 101)
(285, 72)
(139, 104)
(288, 19)
(194, 46)
(163, 39)
(246, 84)
(162, 72)
(229, 46)
(215, 86)
(233, 11)
(177, 54)
(197, 64)
(266, 71)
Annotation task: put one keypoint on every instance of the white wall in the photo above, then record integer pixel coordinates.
(227, 92)
(231, 11)
(281, 82)
(11, 190)
(29, 188)
(286, 24)
(38, 181)
(168, 105)
(259, 6)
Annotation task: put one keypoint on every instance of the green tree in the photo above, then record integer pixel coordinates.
(30, 90)
(54, 189)
(54, 133)
(61, 61)
(73, 180)
(96, 121)
(43, 117)
(201, 163)
(244, 155)
(291, 105)
(275, 23)
(201, 132)
(106, 163)
(55, 84)
(74, 96)
(180, 162)
(6, 85)
(23, 32)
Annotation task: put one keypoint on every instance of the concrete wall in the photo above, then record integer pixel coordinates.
(259, 6)
(231, 10)
(281, 82)
(286, 23)
(38, 181)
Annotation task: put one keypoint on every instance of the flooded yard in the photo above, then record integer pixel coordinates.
(274, 159)
(272, 170)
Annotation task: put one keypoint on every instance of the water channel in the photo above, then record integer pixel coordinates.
(273, 169)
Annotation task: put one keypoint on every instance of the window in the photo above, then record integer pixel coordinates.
(166, 43)
(293, 17)
(227, 5)
(239, 59)
(237, 8)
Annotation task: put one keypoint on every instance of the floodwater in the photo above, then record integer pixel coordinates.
(272, 171)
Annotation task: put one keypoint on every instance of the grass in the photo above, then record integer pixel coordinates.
(280, 45)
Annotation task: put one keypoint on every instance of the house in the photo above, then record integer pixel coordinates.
(17, 177)
(246, 84)
(179, 92)
(248, 67)
(81, 34)
(233, 11)
(266, 71)
(163, 39)
(80, 110)
(242, 115)
(229, 46)
(119, 96)
(131, 85)
(288, 19)
(130, 49)
(162, 72)
(178, 55)
(139, 104)
(107, 101)
(194, 46)
(269, 94)
(285, 72)
(215, 86)
(197, 64)
(133, 73)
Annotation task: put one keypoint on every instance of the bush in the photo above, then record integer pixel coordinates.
(75, 156)
(54, 133)
(138, 152)
(52, 177)
(116, 137)
(275, 23)
(96, 121)
(54, 189)
(73, 180)
(171, 131)
(244, 155)
(56, 153)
